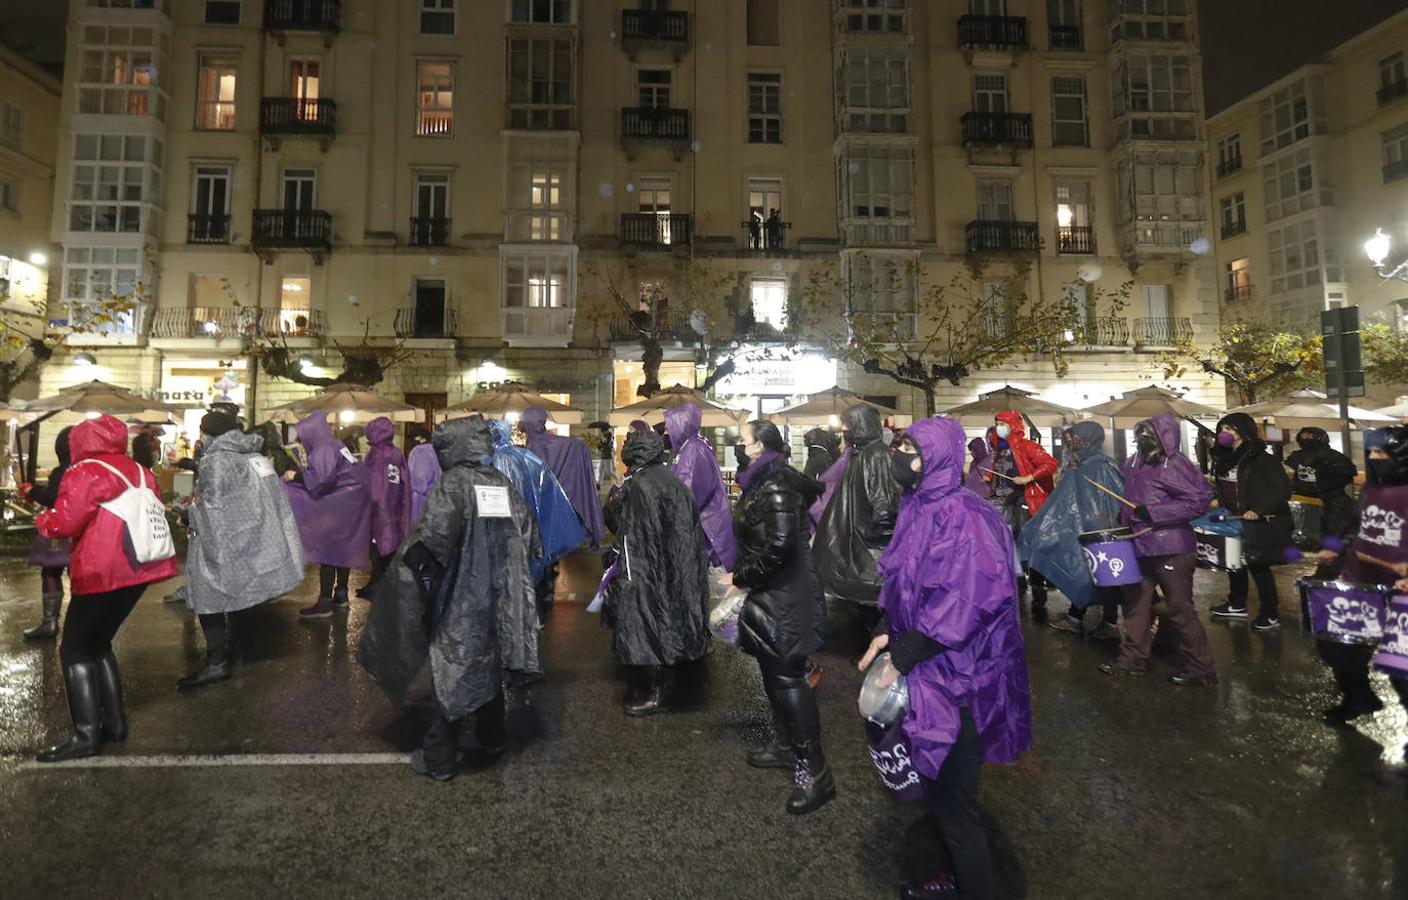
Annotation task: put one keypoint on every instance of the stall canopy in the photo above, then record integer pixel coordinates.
(825, 408)
(1398, 411)
(652, 410)
(92, 398)
(1309, 409)
(1129, 409)
(509, 400)
(349, 404)
(981, 411)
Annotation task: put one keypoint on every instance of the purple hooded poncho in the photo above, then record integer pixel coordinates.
(982, 459)
(950, 571)
(333, 503)
(424, 467)
(571, 462)
(1174, 491)
(391, 489)
(829, 479)
(696, 466)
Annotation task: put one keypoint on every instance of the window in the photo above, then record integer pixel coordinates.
(1155, 90)
(210, 205)
(1168, 187)
(882, 184)
(1289, 185)
(1069, 127)
(435, 98)
(1239, 279)
(879, 16)
(540, 83)
(653, 199)
(987, 7)
(1063, 18)
(653, 88)
(300, 189)
(304, 76)
(1073, 216)
(9, 193)
(1396, 153)
(1295, 257)
(995, 201)
(1393, 72)
(538, 293)
(764, 108)
(769, 301)
(1233, 212)
(215, 93)
(877, 88)
(222, 12)
(92, 275)
(1229, 154)
(1285, 117)
(437, 16)
(990, 93)
(295, 294)
(540, 189)
(109, 183)
(429, 319)
(116, 72)
(1151, 20)
(12, 125)
(764, 26)
(883, 291)
(1155, 298)
(542, 12)
(765, 226)
(430, 227)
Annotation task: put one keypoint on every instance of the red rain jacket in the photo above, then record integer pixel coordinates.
(1030, 458)
(98, 562)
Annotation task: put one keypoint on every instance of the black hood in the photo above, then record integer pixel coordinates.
(61, 447)
(1243, 424)
(863, 425)
(821, 437)
(464, 442)
(642, 448)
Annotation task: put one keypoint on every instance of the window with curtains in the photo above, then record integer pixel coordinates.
(118, 71)
(435, 98)
(216, 82)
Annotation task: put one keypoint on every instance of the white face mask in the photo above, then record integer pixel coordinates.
(1004, 431)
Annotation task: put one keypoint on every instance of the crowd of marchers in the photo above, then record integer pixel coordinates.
(462, 539)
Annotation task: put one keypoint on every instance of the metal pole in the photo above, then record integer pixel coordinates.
(1343, 388)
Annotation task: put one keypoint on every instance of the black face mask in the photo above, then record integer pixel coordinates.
(1306, 441)
(740, 455)
(902, 468)
(1387, 472)
(1149, 447)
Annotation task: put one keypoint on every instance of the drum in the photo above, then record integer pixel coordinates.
(1344, 612)
(723, 619)
(1392, 655)
(883, 705)
(1222, 552)
(1112, 561)
(1307, 514)
(889, 751)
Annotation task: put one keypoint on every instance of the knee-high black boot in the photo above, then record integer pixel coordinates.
(114, 717)
(81, 685)
(777, 753)
(812, 784)
(217, 653)
(49, 626)
(657, 696)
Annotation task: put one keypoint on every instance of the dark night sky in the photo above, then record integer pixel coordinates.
(36, 29)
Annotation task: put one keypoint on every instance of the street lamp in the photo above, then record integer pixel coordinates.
(1377, 248)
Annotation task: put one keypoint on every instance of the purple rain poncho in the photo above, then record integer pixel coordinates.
(391, 489)
(1174, 491)
(950, 571)
(696, 466)
(424, 467)
(558, 527)
(829, 479)
(332, 505)
(982, 459)
(571, 462)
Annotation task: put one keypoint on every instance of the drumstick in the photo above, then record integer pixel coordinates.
(1103, 530)
(1398, 568)
(999, 474)
(1110, 492)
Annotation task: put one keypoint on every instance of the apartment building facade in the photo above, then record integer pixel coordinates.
(1303, 172)
(506, 188)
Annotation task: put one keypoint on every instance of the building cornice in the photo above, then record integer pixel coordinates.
(28, 70)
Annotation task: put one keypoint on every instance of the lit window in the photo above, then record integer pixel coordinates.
(294, 305)
(117, 72)
(435, 99)
(538, 296)
(546, 195)
(540, 170)
(215, 102)
(769, 299)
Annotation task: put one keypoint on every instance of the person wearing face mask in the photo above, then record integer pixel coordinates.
(977, 480)
(784, 617)
(1168, 492)
(822, 449)
(1321, 473)
(1077, 508)
(1253, 485)
(952, 628)
(1020, 477)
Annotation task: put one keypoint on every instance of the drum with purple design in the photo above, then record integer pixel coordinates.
(1345, 612)
(1222, 552)
(1112, 562)
(1392, 655)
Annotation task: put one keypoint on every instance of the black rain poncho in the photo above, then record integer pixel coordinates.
(658, 602)
(860, 518)
(460, 590)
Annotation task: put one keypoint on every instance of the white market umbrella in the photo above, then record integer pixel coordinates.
(511, 400)
(348, 404)
(1399, 411)
(982, 410)
(1133, 407)
(825, 408)
(1309, 409)
(93, 398)
(652, 409)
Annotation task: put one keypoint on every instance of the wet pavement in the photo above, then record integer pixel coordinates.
(1133, 788)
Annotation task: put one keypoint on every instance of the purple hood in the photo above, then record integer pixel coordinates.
(391, 488)
(1173, 489)
(950, 572)
(982, 459)
(332, 504)
(696, 466)
(424, 467)
(571, 462)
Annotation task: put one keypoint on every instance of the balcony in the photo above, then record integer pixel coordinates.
(765, 235)
(430, 231)
(1393, 91)
(1228, 167)
(1160, 237)
(1067, 37)
(1396, 171)
(1075, 239)
(1233, 228)
(1149, 333)
(217, 323)
(1102, 331)
(992, 31)
(987, 129)
(987, 235)
(1237, 292)
(297, 116)
(665, 326)
(207, 229)
(323, 16)
(547, 326)
(292, 229)
(655, 229)
(427, 322)
(655, 123)
(655, 26)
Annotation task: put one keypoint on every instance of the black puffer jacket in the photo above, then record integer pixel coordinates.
(822, 449)
(1323, 472)
(860, 519)
(658, 602)
(46, 494)
(1261, 486)
(785, 614)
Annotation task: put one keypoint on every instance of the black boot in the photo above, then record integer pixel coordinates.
(114, 717)
(777, 753)
(81, 684)
(46, 629)
(217, 654)
(812, 784)
(657, 695)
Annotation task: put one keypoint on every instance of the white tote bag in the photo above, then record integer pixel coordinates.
(141, 510)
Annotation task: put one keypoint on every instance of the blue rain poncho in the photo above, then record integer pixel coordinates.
(558, 524)
(1050, 542)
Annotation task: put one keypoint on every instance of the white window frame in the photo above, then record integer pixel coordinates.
(119, 78)
(12, 121)
(1229, 148)
(438, 11)
(1060, 85)
(987, 97)
(538, 296)
(876, 88)
(883, 187)
(435, 98)
(651, 88)
(1285, 117)
(1294, 252)
(1232, 209)
(216, 112)
(1393, 70)
(530, 12)
(876, 16)
(433, 181)
(1293, 183)
(534, 163)
(527, 108)
(995, 197)
(771, 293)
(1156, 300)
(298, 175)
(113, 181)
(1168, 187)
(764, 107)
(92, 274)
(1395, 146)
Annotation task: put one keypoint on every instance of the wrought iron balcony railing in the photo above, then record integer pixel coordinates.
(430, 231)
(427, 322)
(1162, 332)
(309, 228)
(224, 322)
(655, 229)
(1075, 239)
(766, 235)
(661, 325)
(1102, 331)
(1227, 167)
(1233, 228)
(654, 123)
(992, 31)
(295, 115)
(1396, 171)
(1067, 37)
(997, 234)
(997, 129)
(1237, 292)
(666, 25)
(303, 15)
(1392, 91)
(207, 229)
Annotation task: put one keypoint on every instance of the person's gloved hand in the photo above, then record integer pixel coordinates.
(1142, 512)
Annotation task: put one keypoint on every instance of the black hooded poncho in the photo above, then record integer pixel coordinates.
(860, 519)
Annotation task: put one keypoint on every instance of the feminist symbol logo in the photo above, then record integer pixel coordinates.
(1116, 566)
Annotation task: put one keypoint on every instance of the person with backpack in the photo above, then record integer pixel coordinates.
(107, 571)
(51, 555)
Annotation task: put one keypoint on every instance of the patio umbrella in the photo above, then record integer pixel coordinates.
(92, 398)
(349, 403)
(652, 410)
(825, 408)
(1309, 409)
(509, 400)
(981, 411)
(1133, 407)
(1399, 411)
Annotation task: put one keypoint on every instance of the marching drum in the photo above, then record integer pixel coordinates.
(1307, 514)
(1345, 612)
(1392, 655)
(883, 705)
(1112, 561)
(1219, 543)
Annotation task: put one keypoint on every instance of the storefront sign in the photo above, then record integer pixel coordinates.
(763, 377)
